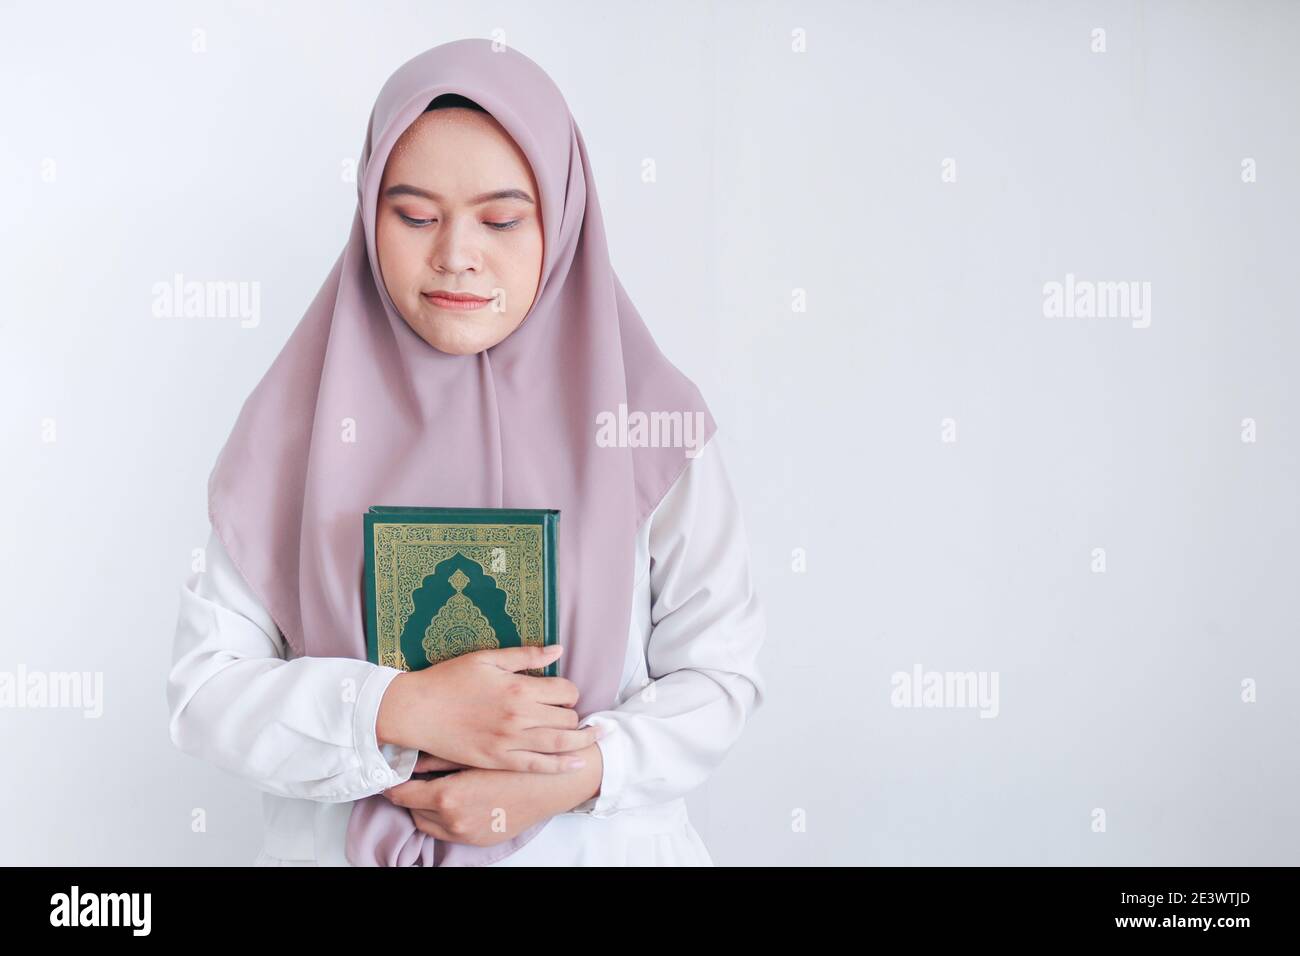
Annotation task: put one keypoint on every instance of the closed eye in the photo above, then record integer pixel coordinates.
(415, 222)
(500, 226)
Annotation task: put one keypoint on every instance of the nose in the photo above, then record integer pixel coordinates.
(454, 248)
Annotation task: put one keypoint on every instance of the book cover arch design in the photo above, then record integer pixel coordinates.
(442, 590)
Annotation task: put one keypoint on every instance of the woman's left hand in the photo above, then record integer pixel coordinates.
(485, 807)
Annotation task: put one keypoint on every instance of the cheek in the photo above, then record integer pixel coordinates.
(399, 256)
(523, 261)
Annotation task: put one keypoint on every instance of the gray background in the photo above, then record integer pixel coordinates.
(776, 170)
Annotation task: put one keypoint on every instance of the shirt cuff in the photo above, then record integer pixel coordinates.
(381, 766)
(613, 761)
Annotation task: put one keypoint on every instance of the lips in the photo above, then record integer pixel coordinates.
(457, 296)
(457, 301)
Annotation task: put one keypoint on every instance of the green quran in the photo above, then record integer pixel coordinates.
(441, 582)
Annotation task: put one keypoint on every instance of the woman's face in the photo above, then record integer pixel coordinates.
(458, 213)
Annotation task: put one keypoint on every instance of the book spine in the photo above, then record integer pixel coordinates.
(550, 547)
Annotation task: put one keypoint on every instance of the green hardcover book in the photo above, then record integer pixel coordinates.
(441, 582)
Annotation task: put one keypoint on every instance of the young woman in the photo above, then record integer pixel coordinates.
(471, 347)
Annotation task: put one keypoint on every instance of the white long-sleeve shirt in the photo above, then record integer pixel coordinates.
(302, 729)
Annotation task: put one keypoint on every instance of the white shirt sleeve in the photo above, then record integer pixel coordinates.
(301, 728)
(665, 739)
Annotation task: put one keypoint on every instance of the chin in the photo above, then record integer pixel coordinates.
(458, 341)
(458, 348)
(460, 335)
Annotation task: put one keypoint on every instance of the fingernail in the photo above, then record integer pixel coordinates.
(577, 763)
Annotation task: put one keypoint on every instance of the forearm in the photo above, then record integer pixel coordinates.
(289, 727)
(666, 740)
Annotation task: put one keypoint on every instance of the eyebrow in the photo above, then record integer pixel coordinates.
(403, 189)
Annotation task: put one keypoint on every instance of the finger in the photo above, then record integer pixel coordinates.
(550, 690)
(529, 761)
(548, 716)
(426, 762)
(545, 740)
(524, 658)
(416, 794)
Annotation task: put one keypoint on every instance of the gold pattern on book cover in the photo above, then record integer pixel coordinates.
(459, 627)
(406, 553)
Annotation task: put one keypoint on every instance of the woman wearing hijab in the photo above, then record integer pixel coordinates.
(472, 347)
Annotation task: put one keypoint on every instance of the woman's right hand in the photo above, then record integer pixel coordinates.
(476, 711)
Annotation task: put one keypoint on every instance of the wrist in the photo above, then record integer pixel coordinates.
(585, 782)
(390, 724)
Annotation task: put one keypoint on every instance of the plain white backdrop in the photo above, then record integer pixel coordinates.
(789, 168)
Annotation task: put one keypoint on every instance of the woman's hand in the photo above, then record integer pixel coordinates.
(484, 807)
(476, 711)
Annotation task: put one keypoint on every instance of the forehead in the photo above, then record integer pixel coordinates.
(459, 145)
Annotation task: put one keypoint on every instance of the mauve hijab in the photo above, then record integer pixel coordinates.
(512, 426)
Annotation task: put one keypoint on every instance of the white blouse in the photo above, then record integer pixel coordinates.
(690, 682)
